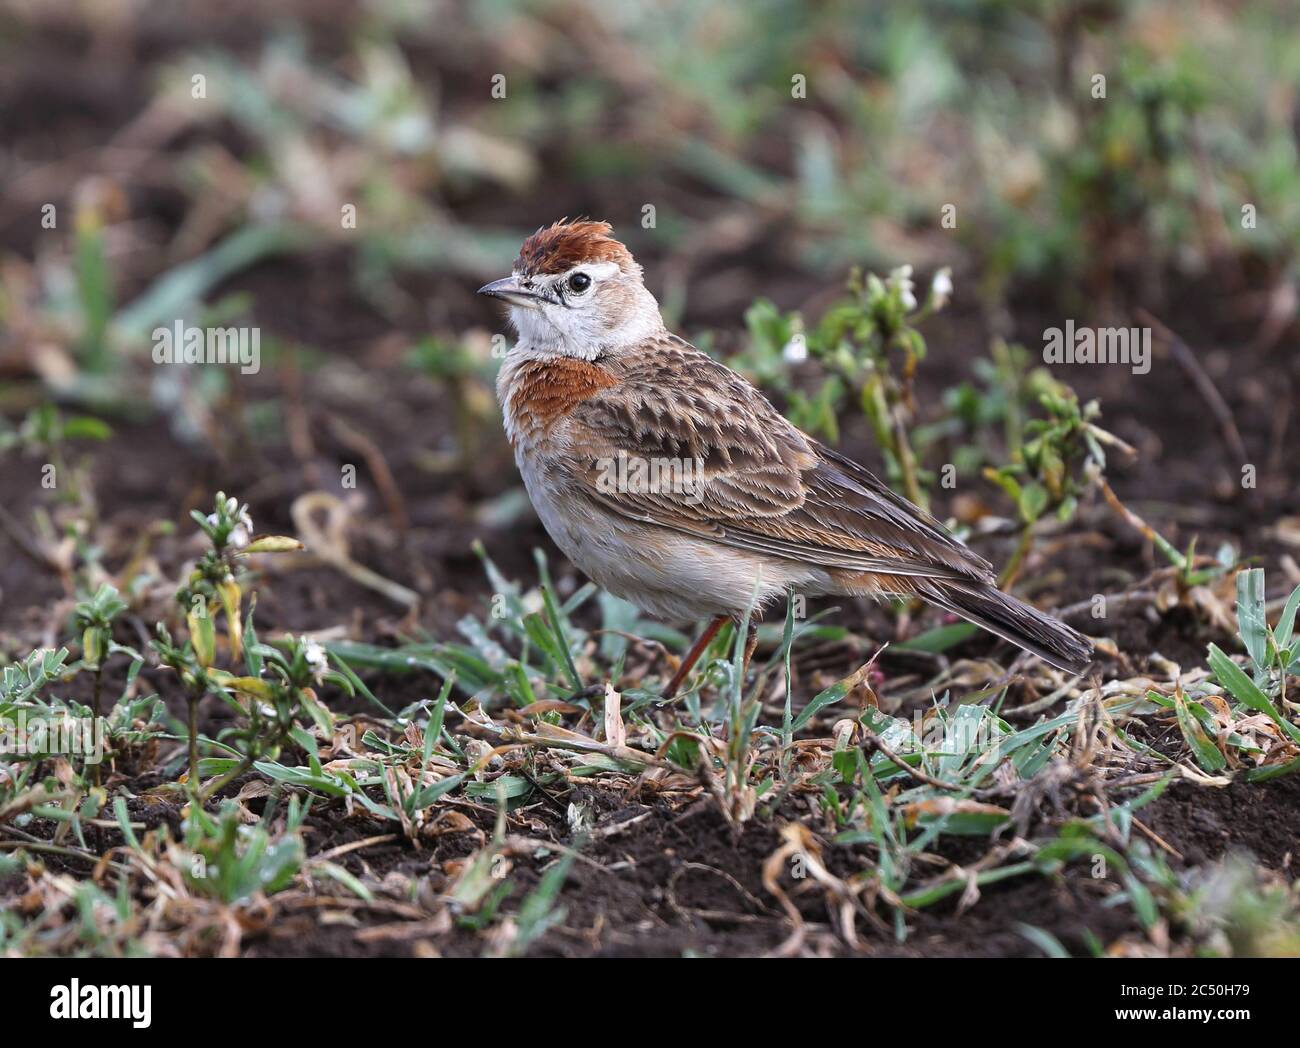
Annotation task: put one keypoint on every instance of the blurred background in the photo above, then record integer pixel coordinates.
(343, 175)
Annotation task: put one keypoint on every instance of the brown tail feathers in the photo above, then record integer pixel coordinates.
(1011, 619)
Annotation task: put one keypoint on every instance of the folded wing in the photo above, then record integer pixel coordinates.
(740, 474)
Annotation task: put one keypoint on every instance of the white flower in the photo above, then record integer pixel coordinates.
(316, 658)
(901, 278)
(796, 350)
(242, 533)
(941, 288)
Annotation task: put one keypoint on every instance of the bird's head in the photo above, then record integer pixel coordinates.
(577, 291)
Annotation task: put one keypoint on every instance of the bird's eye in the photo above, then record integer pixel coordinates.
(579, 282)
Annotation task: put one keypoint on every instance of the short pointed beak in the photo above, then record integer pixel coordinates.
(509, 289)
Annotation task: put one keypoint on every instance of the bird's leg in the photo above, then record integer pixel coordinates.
(751, 642)
(693, 656)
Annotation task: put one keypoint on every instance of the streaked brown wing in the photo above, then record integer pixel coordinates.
(762, 485)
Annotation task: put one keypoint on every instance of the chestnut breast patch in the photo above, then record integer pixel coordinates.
(546, 391)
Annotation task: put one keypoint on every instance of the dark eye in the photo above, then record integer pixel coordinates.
(579, 282)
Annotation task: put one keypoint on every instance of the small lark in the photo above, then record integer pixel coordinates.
(673, 483)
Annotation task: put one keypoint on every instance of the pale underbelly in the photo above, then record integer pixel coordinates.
(665, 574)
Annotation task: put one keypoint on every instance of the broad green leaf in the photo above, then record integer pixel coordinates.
(1207, 754)
(1250, 616)
(1245, 690)
(829, 697)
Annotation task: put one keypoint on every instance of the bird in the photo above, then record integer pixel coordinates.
(672, 482)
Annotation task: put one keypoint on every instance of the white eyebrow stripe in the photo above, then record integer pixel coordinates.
(597, 270)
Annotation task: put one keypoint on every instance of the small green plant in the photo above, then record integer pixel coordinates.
(1002, 395)
(1221, 724)
(21, 681)
(46, 432)
(1274, 655)
(214, 587)
(1053, 459)
(38, 726)
(21, 685)
(226, 859)
(93, 619)
(1274, 650)
(1060, 455)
